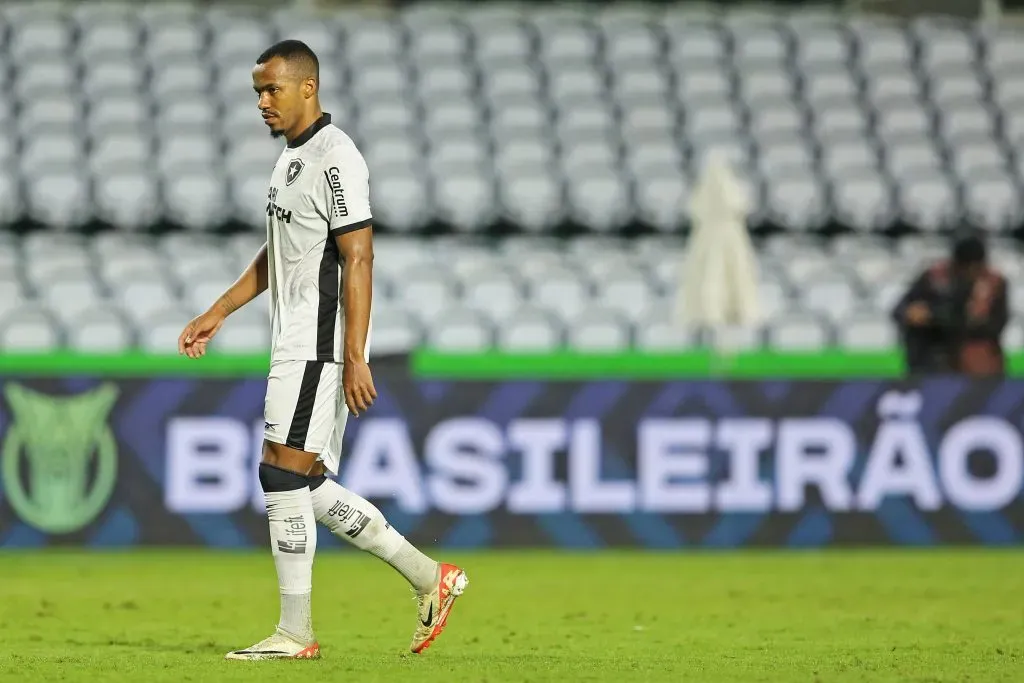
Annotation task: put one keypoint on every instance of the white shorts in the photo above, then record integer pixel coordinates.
(305, 408)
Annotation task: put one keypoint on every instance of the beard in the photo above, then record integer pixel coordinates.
(276, 133)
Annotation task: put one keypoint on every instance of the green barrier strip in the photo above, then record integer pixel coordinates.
(655, 366)
(831, 364)
(134, 364)
(438, 365)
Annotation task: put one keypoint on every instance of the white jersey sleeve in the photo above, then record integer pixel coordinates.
(346, 190)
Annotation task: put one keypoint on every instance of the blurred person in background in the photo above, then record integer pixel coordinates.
(952, 316)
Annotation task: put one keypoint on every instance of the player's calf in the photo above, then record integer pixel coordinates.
(356, 520)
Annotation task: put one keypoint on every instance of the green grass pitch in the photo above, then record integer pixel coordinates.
(836, 616)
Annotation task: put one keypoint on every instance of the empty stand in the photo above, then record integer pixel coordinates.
(464, 115)
(521, 293)
(529, 118)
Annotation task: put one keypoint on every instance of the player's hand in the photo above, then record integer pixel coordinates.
(357, 382)
(918, 314)
(197, 334)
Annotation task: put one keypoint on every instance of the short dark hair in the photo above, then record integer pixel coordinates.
(969, 250)
(295, 52)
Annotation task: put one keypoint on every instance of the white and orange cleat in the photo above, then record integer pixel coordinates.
(277, 646)
(435, 606)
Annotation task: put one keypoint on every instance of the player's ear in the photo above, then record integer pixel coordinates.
(310, 88)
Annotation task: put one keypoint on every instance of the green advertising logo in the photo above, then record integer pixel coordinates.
(49, 451)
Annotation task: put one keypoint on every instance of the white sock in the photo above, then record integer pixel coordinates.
(356, 520)
(293, 543)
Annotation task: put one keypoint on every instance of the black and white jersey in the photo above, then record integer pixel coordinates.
(319, 190)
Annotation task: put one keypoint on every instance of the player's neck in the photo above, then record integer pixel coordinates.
(304, 124)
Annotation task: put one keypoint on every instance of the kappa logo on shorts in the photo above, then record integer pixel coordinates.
(294, 169)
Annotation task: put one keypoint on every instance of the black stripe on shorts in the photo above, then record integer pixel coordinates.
(299, 429)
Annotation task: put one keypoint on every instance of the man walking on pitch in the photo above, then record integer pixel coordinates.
(317, 264)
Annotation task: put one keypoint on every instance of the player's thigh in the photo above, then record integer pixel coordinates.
(291, 459)
(299, 405)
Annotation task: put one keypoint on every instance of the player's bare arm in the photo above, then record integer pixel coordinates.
(200, 330)
(356, 252)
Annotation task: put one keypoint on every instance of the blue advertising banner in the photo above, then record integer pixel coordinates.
(96, 462)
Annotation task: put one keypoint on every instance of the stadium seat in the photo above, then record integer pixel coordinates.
(186, 150)
(67, 295)
(428, 291)
(992, 201)
(59, 198)
(838, 118)
(54, 111)
(29, 329)
(127, 199)
(168, 40)
(696, 44)
(466, 199)
(105, 77)
(400, 201)
(795, 332)
(735, 339)
(54, 150)
(145, 297)
(195, 199)
(496, 294)
(41, 36)
(235, 37)
(462, 330)
(797, 200)
(599, 330)
(832, 297)
(822, 45)
(863, 200)
(563, 292)
(99, 329)
(599, 199)
(628, 294)
(867, 332)
(873, 270)
(108, 37)
(530, 330)
(660, 334)
(130, 265)
(13, 293)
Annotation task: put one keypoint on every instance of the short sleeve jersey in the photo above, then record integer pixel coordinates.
(319, 190)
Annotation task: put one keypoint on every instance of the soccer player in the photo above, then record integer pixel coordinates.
(317, 265)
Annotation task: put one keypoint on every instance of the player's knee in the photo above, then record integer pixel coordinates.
(274, 479)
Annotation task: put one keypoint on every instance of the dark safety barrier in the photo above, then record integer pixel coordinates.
(120, 462)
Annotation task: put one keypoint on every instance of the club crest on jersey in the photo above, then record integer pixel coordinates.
(294, 169)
